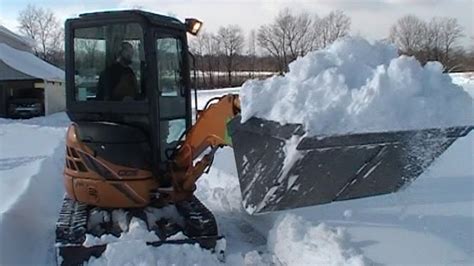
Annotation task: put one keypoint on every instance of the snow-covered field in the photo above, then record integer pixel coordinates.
(466, 80)
(205, 95)
(431, 222)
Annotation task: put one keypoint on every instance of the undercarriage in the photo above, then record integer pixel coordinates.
(187, 222)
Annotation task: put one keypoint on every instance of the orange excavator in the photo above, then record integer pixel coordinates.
(132, 144)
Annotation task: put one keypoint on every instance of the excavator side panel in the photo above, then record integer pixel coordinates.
(320, 169)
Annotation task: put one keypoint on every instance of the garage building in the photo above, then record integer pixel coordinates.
(29, 86)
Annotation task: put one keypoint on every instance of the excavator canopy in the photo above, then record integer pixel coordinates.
(280, 168)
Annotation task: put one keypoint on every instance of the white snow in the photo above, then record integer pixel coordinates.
(31, 190)
(136, 252)
(26, 41)
(431, 222)
(29, 64)
(466, 80)
(137, 231)
(205, 95)
(357, 86)
(292, 155)
(295, 241)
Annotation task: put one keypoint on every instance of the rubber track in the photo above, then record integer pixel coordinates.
(71, 229)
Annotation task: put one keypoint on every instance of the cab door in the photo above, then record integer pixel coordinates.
(173, 90)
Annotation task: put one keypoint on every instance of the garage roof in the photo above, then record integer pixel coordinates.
(24, 64)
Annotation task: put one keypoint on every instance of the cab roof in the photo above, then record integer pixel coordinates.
(152, 18)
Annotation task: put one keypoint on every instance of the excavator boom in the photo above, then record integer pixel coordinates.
(207, 135)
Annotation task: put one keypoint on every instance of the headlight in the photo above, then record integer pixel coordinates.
(193, 25)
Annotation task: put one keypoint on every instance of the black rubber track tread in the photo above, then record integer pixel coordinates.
(71, 229)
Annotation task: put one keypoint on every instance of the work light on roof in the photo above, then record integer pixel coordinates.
(193, 25)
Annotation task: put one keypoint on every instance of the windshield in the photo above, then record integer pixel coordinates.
(108, 63)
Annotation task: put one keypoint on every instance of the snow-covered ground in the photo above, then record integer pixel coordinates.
(31, 164)
(235, 73)
(466, 80)
(431, 222)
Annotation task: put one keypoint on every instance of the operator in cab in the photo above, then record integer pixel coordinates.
(118, 81)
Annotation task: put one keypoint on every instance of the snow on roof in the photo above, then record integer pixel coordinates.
(29, 64)
(22, 39)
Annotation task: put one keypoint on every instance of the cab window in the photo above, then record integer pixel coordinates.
(172, 94)
(108, 63)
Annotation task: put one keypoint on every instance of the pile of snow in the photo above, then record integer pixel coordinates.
(295, 241)
(136, 230)
(31, 191)
(466, 80)
(356, 86)
(130, 248)
(136, 252)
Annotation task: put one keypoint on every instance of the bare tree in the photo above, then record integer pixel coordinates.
(429, 41)
(409, 34)
(43, 27)
(449, 33)
(271, 39)
(197, 48)
(231, 41)
(295, 34)
(211, 48)
(330, 28)
(288, 37)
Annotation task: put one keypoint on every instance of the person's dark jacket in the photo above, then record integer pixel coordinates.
(116, 83)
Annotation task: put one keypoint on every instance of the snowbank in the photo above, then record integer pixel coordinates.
(356, 86)
(59, 120)
(136, 252)
(28, 218)
(31, 188)
(466, 80)
(24, 149)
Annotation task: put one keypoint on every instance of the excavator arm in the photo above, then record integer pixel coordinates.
(196, 153)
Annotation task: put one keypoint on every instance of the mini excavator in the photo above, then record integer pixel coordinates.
(132, 147)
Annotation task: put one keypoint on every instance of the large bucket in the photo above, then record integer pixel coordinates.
(323, 169)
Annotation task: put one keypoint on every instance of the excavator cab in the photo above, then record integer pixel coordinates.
(127, 76)
(128, 97)
(153, 94)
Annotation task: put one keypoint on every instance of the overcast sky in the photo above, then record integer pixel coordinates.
(370, 18)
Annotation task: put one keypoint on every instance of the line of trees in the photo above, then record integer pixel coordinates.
(228, 57)
(271, 47)
(434, 40)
